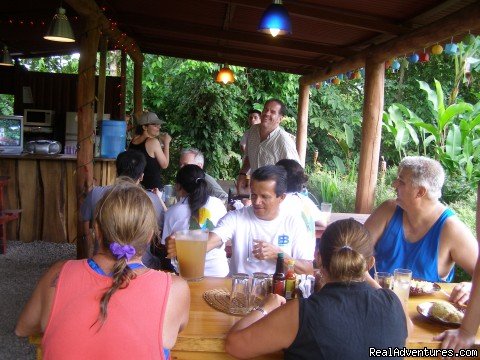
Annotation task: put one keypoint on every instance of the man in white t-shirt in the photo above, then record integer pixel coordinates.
(259, 232)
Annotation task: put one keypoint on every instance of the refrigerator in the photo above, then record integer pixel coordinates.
(71, 131)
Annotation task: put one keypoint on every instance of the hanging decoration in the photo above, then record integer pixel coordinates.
(451, 49)
(413, 58)
(437, 49)
(423, 57)
(362, 72)
(336, 80)
(395, 66)
(388, 63)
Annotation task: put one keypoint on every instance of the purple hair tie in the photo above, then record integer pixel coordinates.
(126, 251)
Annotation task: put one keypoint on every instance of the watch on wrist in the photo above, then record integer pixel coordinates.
(262, 310)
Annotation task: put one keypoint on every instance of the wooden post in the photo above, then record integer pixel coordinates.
(102, 78)
(137, 88)
(302, 122)
(123, 84)
(371, 135)
(85, 109)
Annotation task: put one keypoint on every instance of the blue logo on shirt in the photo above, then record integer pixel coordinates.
(283, 240)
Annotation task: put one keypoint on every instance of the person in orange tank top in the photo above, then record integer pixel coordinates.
(97, 307)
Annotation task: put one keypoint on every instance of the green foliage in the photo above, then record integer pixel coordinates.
(6, 104)
(67, 64)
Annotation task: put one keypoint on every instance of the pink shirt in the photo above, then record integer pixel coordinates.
(134, 323)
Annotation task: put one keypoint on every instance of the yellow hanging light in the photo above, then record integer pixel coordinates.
(225, 75)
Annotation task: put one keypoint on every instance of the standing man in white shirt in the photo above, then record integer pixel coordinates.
(267, 142)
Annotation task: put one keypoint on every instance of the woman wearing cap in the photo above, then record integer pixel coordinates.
(341, 321)
(98, 308)
(145, 141)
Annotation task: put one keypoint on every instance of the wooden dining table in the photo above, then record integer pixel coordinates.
(204, 336)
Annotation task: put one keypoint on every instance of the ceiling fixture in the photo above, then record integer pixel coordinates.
(275, 20)
(225, 75)
(60, 29)
(5, 58)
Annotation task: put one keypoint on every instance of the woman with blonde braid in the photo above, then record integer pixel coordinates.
(110, 306)
(341, 321)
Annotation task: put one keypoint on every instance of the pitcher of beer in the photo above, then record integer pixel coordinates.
(191, 246)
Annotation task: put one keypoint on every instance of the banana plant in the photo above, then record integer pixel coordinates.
(398, 120)
(454, 132)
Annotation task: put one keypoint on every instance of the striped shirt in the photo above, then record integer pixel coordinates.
(277, 146)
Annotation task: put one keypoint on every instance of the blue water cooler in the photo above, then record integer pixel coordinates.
(113, 138)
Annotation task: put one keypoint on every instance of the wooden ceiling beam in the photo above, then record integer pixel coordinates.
(330, 15)
(90, 9)
(234, 60)
(460, 22)
(163, 25)
(161, 43)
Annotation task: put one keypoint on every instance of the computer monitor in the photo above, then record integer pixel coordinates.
(11, 134)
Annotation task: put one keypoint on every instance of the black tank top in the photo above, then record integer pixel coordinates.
(152, 176)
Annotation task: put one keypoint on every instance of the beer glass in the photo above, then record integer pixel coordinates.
(401, 284)
(384, 279)
(239, 296)
(191, 246)
(326, 210)
(260, 283)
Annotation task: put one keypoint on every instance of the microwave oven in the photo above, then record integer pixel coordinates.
(35, 117)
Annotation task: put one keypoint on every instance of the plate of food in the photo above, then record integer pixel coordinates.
(443, 312)
(421, 287)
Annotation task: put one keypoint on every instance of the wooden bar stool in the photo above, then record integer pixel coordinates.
(5, 216)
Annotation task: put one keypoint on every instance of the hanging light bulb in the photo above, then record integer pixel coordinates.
(5, 58)
(275, 20)
(225, 75)
(60, 29)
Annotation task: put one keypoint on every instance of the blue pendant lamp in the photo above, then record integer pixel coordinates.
(275, 20)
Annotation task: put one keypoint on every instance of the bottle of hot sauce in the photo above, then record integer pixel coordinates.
(278, 286)
(290, 280)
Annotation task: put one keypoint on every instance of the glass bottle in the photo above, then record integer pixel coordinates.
(278, 286)
(290, 280)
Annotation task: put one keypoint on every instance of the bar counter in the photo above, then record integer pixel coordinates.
(44, 187)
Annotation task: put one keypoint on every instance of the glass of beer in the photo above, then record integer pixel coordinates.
(191, 246)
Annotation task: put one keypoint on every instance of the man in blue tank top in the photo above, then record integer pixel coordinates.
(417, 232)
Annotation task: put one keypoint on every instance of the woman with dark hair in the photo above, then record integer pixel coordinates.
(96, 308)
(341, 321)
(196, 210)
(296, 202)
(145, 141)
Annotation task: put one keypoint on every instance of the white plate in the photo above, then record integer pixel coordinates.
(424, 310)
